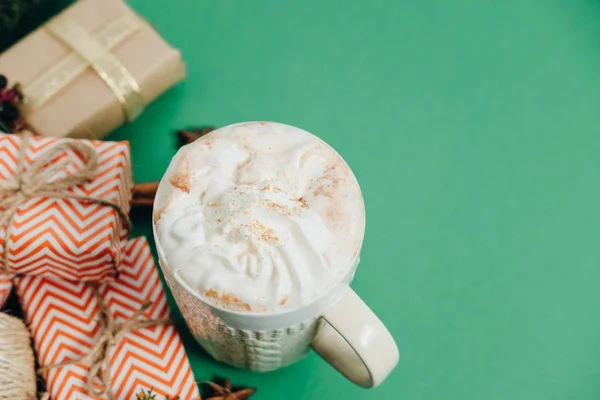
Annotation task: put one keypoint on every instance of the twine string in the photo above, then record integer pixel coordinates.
(111, 334)
(39, 181)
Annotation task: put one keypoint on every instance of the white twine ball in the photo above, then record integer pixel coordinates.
(17, 364)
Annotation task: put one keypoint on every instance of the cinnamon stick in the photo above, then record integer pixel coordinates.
(144, 194)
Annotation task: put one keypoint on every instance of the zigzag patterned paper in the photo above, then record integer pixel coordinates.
(68, 238)
(62, 316)
(5, 287)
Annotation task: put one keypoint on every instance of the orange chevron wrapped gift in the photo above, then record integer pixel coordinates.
(63, 206)
(107, 341)
(5, 287)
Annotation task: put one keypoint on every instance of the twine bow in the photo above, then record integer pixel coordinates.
(38, 181)
(111, 333)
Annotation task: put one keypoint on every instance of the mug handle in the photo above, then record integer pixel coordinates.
(355, 342)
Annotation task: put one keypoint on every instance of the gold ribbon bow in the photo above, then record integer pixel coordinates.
(89, 51)
(111, 333)
(37, 181)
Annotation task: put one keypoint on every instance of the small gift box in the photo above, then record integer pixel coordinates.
(63, 206)
(107, 341)
(89, 69)
(5, 288)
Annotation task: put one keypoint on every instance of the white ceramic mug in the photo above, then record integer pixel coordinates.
(338, 325)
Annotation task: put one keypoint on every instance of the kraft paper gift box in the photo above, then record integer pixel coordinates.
(63, 206)
(5, 288)
(90, 69)
(116, 336)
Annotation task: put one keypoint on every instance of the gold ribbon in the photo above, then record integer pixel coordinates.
(37, 181)
(90, 51)
(111, 333)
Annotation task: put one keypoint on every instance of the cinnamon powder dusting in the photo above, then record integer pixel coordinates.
(262, 232)
(159, 212)
(284, 300)
(303, 202)
(320, 191)
(181, 181)
(283, 210)
(228, 299)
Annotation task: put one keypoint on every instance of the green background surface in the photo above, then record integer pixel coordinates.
(472, 127)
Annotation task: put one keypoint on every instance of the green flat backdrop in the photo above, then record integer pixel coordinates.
(473, 128)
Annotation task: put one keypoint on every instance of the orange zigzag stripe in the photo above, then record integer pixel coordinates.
(72, 241)
(79, 222)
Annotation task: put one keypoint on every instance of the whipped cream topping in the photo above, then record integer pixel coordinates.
(259, 216)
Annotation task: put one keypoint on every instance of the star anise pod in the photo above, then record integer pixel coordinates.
(187, 136)
(226, 392)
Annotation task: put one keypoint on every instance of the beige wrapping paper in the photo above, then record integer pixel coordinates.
(87, 106)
